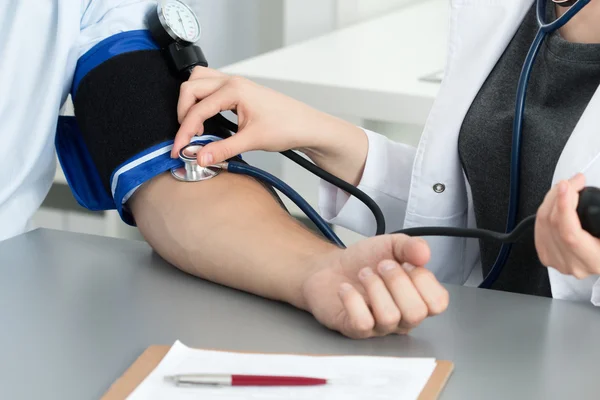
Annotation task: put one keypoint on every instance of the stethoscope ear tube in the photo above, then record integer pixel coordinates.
(341, 184)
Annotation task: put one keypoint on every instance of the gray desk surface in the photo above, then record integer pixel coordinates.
(76, 311)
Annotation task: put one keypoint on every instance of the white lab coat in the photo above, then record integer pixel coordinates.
(40, 43)
(402, 179)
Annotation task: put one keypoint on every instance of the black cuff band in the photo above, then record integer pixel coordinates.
(127, 105)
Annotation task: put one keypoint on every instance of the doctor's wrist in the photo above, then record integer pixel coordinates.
(341, 150)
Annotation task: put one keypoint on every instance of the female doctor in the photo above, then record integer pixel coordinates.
(459, 175)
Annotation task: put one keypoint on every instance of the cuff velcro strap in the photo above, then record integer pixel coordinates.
(128, 177)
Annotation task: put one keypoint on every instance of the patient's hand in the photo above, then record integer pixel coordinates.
(373, 288)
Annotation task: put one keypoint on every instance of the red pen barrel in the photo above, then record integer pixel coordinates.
(251, 380)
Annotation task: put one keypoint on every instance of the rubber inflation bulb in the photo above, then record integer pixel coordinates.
(589, 210)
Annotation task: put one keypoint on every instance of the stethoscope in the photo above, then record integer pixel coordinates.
(589, 201)
(544, 30)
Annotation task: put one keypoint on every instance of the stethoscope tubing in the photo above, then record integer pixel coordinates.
(515, 164)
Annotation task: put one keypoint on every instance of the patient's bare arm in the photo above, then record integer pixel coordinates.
(231, 230)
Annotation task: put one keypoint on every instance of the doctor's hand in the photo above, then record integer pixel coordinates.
(268, 121)
(560, 240)
(377, 287)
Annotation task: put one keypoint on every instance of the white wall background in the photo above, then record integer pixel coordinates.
(230, 29)
(352, 11)
(234, 30)
(305, 19)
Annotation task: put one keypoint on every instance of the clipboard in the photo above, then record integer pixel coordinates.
(145, 364)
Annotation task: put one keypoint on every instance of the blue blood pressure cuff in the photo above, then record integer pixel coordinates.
(125, 97)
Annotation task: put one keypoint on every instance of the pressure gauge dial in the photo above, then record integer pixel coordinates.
(174, 22)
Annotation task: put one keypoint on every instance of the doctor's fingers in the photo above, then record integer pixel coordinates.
(547, 240)
(577, 183)
(205, 72)
(560, 241)
(193, 123)
(550, 247)
(547, 206)
(223, 150)
(580, 249)
(193, 91)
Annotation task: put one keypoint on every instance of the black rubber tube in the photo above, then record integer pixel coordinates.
(512, 237)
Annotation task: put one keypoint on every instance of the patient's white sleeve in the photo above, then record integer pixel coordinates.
(386, 179)
(101, 19)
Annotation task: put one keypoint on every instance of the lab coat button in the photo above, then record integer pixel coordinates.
(439, 188)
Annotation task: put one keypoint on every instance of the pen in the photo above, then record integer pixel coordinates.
(243, 380)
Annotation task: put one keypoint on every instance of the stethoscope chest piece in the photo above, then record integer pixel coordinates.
(191, 171)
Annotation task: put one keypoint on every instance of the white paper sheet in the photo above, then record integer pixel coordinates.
(373, 378)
